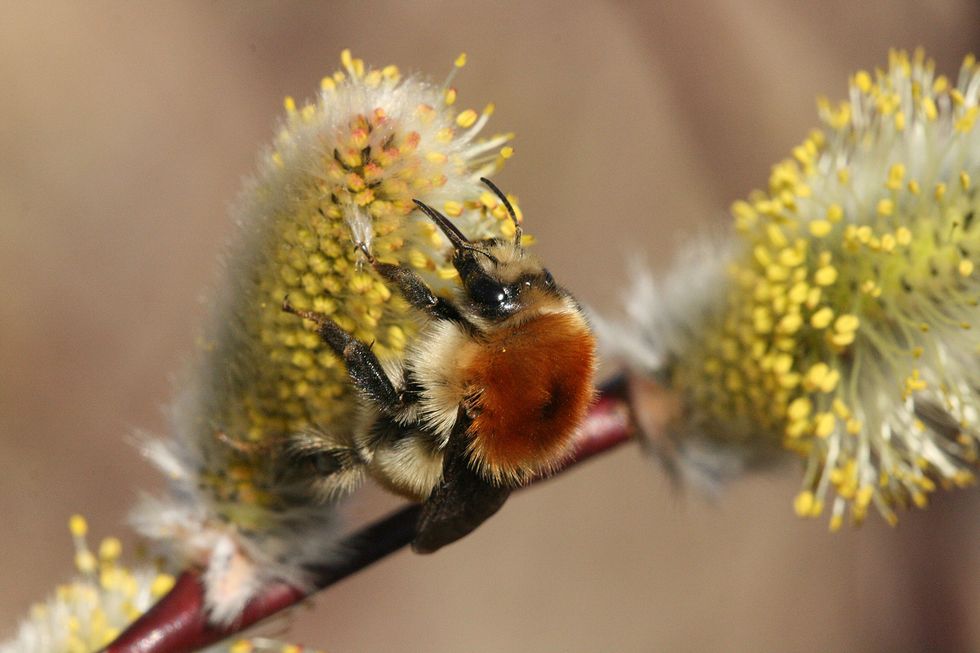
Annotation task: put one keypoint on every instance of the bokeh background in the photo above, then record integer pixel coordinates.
(125, 129)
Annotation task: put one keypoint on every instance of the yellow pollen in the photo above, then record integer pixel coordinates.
(885, 207)
(863, 496)
(966, 122)
(445, 135)
(453, 208)
(777, 273)
(776, 235)
(790, 323)
(799, 409)
(782, 364)
(822, 318)
(488, 199)
(903, 236)
(825, 424)
(790, 258)
(895, 176)
(871, 288)
(460, 60)
(964, 180)
(816, 374)
(85, 562)
(799, 292)
(803, 504)
(466, 118)
(110, 549)
(813, 298)
(825, 276)
(789, 381)
(847, 323)
(836, 523)
(820, 228)
(965, 267)
(863, 81)
(914, 383)
(78, 526)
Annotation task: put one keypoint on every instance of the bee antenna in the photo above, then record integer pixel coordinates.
(510, 208)
(452, 232)
(454, 235)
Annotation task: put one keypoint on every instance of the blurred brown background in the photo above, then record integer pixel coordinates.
(124, 131)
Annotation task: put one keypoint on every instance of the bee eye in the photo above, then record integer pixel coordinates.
(486, 291)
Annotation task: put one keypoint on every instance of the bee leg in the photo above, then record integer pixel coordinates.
(336, 470)
(363, 367)
(462, 501)
(414, 290)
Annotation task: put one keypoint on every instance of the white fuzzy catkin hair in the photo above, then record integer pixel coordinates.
(665, 315)
(844, 325)
(342, 171)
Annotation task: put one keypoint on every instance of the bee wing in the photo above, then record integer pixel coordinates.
(462, 501)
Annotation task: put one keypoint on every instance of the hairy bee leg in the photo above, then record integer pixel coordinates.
(338, 470)
(419, 295)
(413, 289)
(363, 367)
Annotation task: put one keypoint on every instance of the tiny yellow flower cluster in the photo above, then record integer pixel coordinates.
(344, 169)
(262, 645)
(91, 611)
(847, 333)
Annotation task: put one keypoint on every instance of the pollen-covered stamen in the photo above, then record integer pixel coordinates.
(87, 613)
(468, 119)
(382, 141)
(854, 305)
(342, 168)
(458, 64)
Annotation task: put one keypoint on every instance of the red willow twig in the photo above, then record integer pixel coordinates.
(178, 622)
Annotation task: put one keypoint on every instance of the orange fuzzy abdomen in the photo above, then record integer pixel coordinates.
(531, 386)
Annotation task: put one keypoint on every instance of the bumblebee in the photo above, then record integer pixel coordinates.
(487, 397)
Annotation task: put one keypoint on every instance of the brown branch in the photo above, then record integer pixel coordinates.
(178, 622)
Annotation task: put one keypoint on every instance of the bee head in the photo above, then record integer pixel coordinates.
(499, 276)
